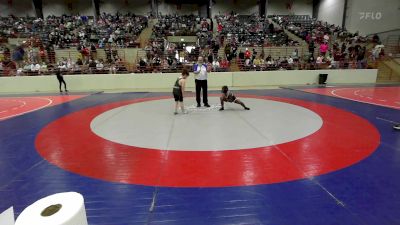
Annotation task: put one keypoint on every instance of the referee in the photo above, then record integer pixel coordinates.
(200, 70)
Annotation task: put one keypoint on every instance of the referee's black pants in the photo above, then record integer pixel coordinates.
(201, 84)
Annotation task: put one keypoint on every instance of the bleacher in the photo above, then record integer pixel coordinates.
(254, 34)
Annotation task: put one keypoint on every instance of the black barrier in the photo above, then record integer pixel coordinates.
(322, 78)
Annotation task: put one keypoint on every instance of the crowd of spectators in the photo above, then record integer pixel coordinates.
(310, 29)
(70, 66)
(175, 25)
(341, 57)
(164, 56)
(70, 31)
(251, 30)
(108, 32)
(329, 45)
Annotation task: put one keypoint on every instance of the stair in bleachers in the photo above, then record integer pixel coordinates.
(67, 53)
(233, 67)
(215, 26)
(146, 33)
(392, 45)
(290, 34)
(388, 72)
(128, 54)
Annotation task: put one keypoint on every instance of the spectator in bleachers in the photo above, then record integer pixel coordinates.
(35, 67)
(27, 67)
(290, 61)
(210, 57)
(247, 62)
(224, 63)
(93, 51)
(254, 55)
(100, 66)
(113, 68)
(295, 55)
(215, 64)
(43, 68)
(227, 51)
(114, 52)
(241, 56)
(320, 60)
(247, 54)
(375, 39)
(92, 66)
(328, 58)
(143, 65)
(220, 27)
(257, 62)
(311, 47)
(323, 48)
(326, 38)
(20, 71)
(42, 54)
(79, 62)
(62, 65)
(361, 64)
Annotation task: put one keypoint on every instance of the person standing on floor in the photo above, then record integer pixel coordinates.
(61, 80)
(179, 90)
(201, 70)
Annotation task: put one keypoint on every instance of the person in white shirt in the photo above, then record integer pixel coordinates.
(70, 64)
(99, 65)
(290, 60)
(215, 64)
(247, 62)
(62, 66)
(201, 70)
(326, 38)
(35, 67)
(43, 68)
(27, 67)
(20, 72)
(320, 59)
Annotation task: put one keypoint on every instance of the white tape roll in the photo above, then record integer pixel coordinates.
(58, 209)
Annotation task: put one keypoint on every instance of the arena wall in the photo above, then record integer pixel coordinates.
(384, 15)
(60, 7)
(138, 7)
(245, 7)
(299, 7)
(16, 8)
(184, 9)
(145, 82)
(331, 11)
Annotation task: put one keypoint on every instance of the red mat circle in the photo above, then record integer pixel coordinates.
(343, 140)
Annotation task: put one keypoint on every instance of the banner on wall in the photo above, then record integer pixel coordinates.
(289, 5)
(70, 4)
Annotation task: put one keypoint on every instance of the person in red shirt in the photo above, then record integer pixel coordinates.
(220, 27)
(42, 54)
(224, 64)
(247, 54)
